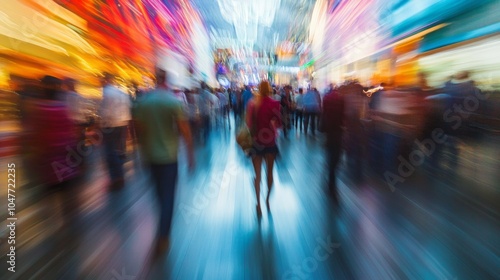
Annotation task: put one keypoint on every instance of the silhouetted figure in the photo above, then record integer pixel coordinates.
(263, 117)
(115, 112)
(332, 125)
(299, 110)
(54, 139)
(312, 108)
(161, 120)
(353, 95)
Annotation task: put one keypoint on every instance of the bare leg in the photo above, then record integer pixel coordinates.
(257, 164)
(270, 158)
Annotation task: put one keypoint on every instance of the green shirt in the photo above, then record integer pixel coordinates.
(157, 114)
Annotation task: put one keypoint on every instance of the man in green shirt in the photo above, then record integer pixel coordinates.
(160, 122)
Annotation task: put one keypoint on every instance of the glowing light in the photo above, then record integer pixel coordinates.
(248, 16)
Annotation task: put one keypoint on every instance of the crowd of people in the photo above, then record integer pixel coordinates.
(377, 127)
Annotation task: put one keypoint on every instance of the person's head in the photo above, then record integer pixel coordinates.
(108, 78)
(463, 75)
(161, 77)
(69, 84)
(51, 87)
(16, 83)
(265, 88)
(301, 90)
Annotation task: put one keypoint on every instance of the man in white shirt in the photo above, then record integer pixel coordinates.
(75, 103)
(115, 118)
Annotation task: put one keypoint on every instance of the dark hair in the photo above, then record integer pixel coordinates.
(51, 81)
(161, 76)
(51, 86)
(70, 83)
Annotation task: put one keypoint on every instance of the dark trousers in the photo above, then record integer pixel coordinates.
(205, 126)
(164, 178)
(334, 150)
(310, 117)
(299, 119)
(114, 145)
(285, 120)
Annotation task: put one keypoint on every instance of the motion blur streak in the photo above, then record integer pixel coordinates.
(259, 139)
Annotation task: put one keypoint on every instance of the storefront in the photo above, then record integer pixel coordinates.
(469, 43)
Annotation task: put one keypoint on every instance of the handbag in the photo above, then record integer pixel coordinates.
(244, 138)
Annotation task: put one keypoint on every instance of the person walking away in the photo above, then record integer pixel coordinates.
(299, 110)
(54, 134)
(320, 102)
(115, 112)
(332, 121)
(235, 100)
(161, 121)
(246, 96)
(263, 117)
(76, 106)
(311, 110)
(353, 94)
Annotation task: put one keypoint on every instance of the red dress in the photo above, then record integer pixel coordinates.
(267, 115)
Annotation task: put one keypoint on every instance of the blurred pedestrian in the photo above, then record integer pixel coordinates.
(263, 117)
(76, 105)
(115, 113)
(54, 141)
(161, 121)
(332, 122)
(246, 96)
(312, 108)
(299, 110)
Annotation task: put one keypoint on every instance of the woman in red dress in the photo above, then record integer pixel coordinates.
(263, 117)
